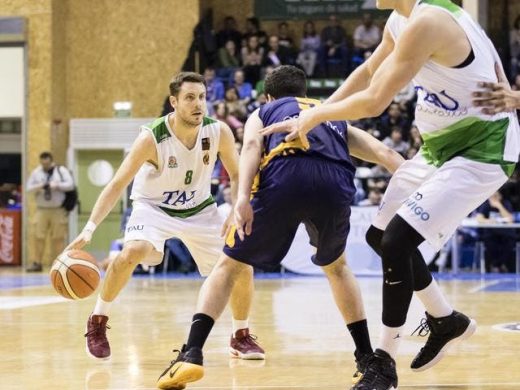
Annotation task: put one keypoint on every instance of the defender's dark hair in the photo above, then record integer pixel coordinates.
(286, 80)
(45, 156)
(184, 77)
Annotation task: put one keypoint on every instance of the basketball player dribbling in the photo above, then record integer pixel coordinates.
(172, 161)
(280, 186)
(467, 156)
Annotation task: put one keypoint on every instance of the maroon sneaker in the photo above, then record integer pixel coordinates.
(244, 346)
(96, 337)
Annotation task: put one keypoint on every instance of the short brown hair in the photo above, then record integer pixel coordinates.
(185, 77)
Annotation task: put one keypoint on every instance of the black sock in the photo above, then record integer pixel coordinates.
(359, 332)
(201, 326)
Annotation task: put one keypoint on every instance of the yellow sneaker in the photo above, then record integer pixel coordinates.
(185, 369)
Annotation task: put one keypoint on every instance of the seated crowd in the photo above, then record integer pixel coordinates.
(235, 88)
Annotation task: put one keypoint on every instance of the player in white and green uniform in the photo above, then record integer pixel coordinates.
(173, 198)
(466, 157)
(171, 162)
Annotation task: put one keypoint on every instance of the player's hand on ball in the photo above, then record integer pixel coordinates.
(80, 241)
(83, 238)
(243, 217)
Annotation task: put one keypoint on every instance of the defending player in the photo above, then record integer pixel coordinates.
(172, 160)
(466, 157)
(291, 185)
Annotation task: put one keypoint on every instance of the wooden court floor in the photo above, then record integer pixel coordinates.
(307, 345)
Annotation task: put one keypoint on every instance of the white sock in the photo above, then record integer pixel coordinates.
(434, 301)
(102, 307)
(240, 324)
(390, 340)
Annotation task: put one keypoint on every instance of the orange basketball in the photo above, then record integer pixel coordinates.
(75, 274)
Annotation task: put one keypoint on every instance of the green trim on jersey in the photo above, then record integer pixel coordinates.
(159, 129)
(189, 212)
(472, 138)
(446, 4)
(208, 121)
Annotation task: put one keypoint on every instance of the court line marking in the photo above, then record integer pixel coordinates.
(484, 286)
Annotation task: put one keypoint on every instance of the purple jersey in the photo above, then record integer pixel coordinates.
(328, 140)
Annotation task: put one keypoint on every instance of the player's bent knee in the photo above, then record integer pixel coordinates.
(153, 259)
(132, 254)
(336, 268)
(374, 237)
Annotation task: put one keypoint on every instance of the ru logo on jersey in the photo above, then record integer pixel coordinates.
(172, 162)
(205, 159)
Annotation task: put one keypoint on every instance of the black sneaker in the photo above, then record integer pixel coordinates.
(380, 373)
(185, 369)
(35, 267)
(361, 365)
(444, 333)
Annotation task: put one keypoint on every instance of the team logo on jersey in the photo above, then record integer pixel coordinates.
(172, 162)
(205, 159)
(178, 198)
(205, 143)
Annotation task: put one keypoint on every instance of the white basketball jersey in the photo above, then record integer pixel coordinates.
(181, 183)
(449, 123)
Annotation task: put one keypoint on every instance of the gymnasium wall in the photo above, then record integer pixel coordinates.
(83, 55)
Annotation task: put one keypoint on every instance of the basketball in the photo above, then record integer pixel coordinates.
(75, 274)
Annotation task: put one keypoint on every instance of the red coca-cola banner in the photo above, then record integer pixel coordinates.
(10, 237)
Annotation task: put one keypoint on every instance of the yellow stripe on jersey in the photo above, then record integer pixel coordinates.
(230, 238)
(306, 103)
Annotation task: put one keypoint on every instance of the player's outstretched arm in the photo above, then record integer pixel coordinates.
(142, 150)
(360, 78)
(368, 148)
(248, 167)
(418, 42)
(229, 156)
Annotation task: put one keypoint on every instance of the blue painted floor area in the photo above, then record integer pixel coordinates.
(498, 282)
(23, 280)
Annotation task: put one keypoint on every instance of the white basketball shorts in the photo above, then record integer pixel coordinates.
(435, 200)
(200, 232)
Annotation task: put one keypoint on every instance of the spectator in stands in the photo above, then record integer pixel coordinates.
(229, 33)
(516, 84)
(235, 106)
(511, 190)
(259, 87)
(374, 198)
(214, 87)
(256, 103)
(277, 55)
(309, 48)
(225, 208)
(253, 28)
(49, 182)
(411, 152)
(252, 56)
(514, 47)
(334, 47)
(239, 135)
(221, 113)
(228, 60)
(499, 243)
(415, 137)
(392, 118)
(406, 94)
(245, 89)
(395, 141)
(284, 38)
(366, 36)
